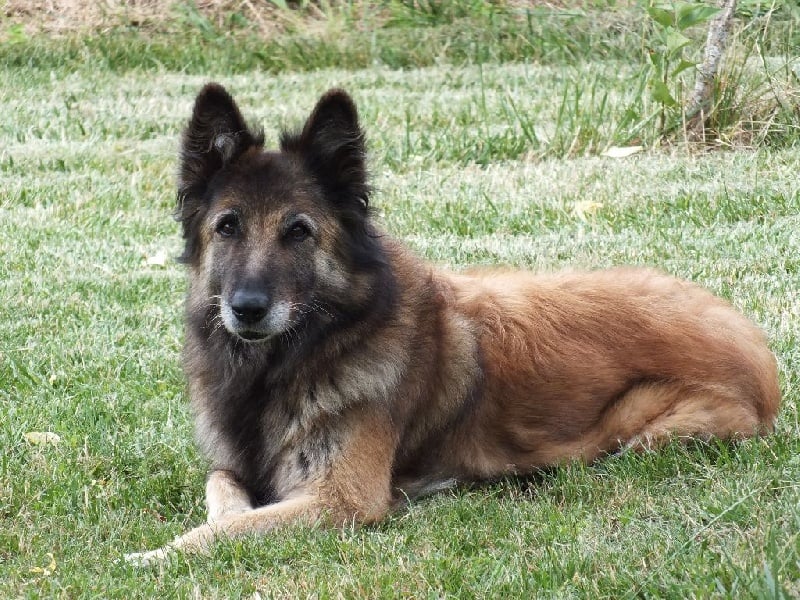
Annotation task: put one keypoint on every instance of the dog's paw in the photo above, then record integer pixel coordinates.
(153, 557)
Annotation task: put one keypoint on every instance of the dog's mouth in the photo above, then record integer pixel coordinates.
(259, 327)
(251, 336)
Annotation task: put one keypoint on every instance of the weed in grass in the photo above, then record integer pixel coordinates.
(668, 54)
(432, 13)
(749, 104)
(756, 100)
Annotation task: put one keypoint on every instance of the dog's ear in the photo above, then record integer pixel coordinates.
(333, 149)
(216, 135)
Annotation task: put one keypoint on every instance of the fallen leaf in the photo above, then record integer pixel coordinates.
(622, 151)
(586, 207)
(159, 259)
(41, 438)
(45, 571)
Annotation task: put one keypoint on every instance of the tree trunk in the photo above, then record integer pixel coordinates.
(698, 106)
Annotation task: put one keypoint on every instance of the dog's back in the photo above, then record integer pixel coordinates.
(330, 368)
(579, 364)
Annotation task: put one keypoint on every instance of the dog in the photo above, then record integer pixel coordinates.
(333, 374)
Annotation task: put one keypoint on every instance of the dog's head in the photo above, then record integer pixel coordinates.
(274, 239)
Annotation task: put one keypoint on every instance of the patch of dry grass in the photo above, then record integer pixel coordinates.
(61, 16)
(262, 17)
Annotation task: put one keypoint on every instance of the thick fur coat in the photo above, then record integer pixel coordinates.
(332, 372)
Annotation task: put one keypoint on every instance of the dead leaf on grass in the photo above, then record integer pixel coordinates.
(622, 151)
(586, 208)
(42, 438)
(159, 259)
(45, 571)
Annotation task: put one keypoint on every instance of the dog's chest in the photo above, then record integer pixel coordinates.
(278, 439)
(281, 435)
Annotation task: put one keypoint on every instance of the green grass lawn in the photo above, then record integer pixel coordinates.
(494, 157)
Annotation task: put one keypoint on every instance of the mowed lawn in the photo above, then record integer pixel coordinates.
(466, 170)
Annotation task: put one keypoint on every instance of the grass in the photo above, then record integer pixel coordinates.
(339, 39)
(497, 160)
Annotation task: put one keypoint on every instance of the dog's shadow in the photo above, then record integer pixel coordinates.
(677, 460)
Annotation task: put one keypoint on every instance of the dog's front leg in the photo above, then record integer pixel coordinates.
(356, 488)
(259, 520)
(225, 495)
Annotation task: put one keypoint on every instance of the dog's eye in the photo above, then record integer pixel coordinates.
(228, 226)
(298, 232)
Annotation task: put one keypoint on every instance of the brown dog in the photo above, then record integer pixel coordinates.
(332, 372)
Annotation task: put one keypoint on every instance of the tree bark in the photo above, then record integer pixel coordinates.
(698, 105)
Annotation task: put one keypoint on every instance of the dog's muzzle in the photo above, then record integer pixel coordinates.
(253, 316)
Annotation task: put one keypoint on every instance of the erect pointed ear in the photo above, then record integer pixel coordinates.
(332, 147)
(216, 135)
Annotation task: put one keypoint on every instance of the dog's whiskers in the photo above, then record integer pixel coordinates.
(217, 322)
(215, 300)
(291, 335)
(320, 307)
(304, 308)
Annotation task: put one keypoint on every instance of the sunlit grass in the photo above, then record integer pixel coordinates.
(470, 166)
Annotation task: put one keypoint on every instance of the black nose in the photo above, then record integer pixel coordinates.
(249, 306)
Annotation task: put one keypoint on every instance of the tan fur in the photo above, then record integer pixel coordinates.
(547, 348)
(462, 377)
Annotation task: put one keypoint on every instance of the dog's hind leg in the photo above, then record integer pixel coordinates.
(225, 495)
(650, 415)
